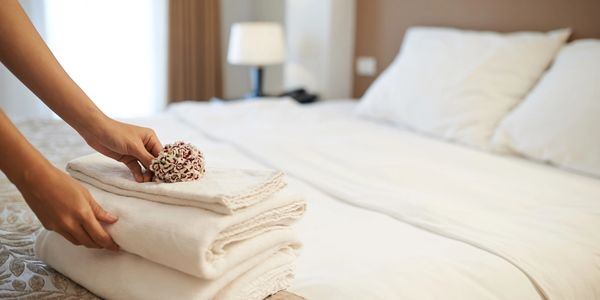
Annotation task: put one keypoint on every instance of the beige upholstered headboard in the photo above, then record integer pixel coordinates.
(380, 24)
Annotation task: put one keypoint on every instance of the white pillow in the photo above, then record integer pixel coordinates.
(559, 122)
(458, 84)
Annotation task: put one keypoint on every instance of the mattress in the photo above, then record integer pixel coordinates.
(429, 240)
(539, 219)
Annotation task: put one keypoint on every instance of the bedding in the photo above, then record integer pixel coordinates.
(358, 244)
(540, 219)
(558, 121)
(457, 84)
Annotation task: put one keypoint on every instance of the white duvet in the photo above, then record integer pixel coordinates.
(393, 215)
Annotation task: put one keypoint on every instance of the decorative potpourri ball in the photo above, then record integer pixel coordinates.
(178, 162)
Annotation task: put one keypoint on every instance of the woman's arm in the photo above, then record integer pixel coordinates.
(25, 54)
(60, 203)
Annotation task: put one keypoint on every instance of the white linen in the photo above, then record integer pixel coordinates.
(559, 120)
(541, 220)
(127, 276)
(340, 261)
(199, 242)
(354, 253)
(220, 190)
(458, 84)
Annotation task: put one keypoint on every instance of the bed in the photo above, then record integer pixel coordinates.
(392, 214)
(376, 227)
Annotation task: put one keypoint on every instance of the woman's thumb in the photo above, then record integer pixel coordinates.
(102, 215)
(142, 154)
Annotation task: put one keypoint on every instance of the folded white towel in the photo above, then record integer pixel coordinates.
(196, 241)
(126, 276)
(220, 190)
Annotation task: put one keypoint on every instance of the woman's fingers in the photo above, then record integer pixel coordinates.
(145, 152)
(143, 155)
(99, 235)
(148, 176)
(101, 214)
(133, 146)
(153, 144)
(133, 165)
(95, 230)
(82, 237)
(148, 149)
(84, 229)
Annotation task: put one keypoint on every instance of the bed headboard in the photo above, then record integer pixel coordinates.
(380, 24)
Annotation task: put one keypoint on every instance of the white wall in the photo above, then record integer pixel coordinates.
(119, 63)
(114, 50)
(320, 36)
(15, 99)
(236, 79)
(320, 40)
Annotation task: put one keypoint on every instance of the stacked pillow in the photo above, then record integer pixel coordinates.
(457, 84)
(461, 86)
(559, 121)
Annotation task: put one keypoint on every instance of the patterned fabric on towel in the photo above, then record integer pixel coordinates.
(220, 190)
(126, 276)
(196, 241)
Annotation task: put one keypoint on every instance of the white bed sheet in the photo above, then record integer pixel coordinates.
(354, 253)
(540, 222)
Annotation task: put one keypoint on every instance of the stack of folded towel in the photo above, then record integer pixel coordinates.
(226, 236)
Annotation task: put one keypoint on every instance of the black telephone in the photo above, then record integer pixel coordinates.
(301, 96)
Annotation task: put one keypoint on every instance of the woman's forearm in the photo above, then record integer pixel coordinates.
(21, 162)
(25, 54)
(59, 202)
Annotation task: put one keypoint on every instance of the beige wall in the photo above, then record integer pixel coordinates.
(380, 24)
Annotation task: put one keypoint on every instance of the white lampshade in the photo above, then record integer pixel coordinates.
(256, 44)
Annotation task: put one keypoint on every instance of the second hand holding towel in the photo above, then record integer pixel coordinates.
(195, 241)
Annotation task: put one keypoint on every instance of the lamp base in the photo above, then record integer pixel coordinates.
(256, 76)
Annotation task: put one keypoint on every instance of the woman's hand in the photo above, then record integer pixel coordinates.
(25, 54)
(59, 202)
(63, 205)
(129, 144)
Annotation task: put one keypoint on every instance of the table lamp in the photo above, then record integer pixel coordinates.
(256, 44)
